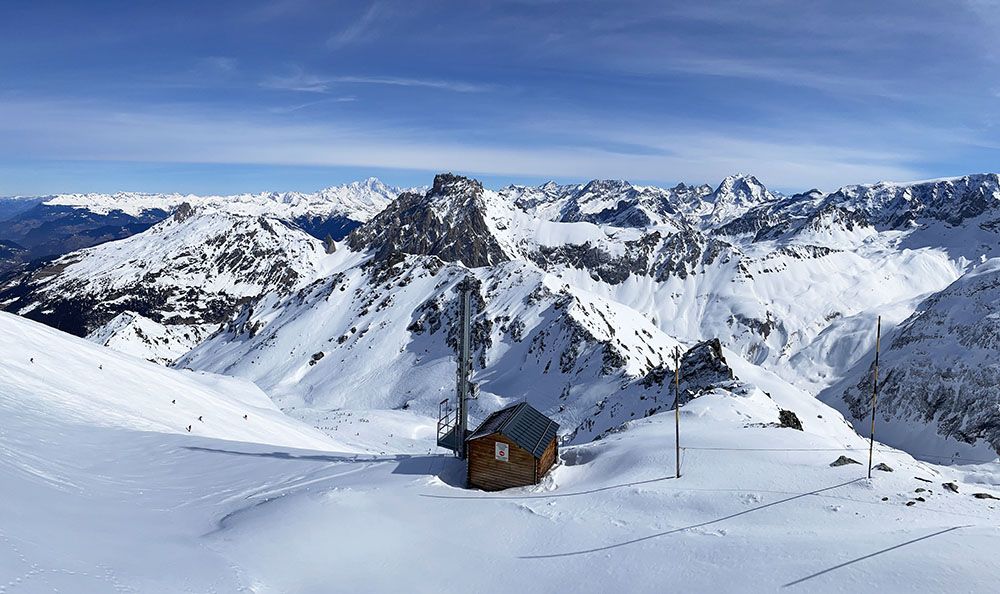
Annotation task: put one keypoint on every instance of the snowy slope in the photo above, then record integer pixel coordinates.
(381, 336)
(938, 374)
(196, 268)
(56, 375)
(139, 336)
(96, 507)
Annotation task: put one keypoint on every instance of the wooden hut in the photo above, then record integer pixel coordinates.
(513, 447)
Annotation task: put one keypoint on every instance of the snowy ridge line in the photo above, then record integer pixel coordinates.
(692, 526)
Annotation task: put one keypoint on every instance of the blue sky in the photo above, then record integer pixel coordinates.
(300, 94)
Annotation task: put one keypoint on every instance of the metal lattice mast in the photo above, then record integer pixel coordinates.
(464, 368)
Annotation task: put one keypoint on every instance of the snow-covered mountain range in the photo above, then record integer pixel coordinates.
(50, 226)
(584, 296)
(583, 292)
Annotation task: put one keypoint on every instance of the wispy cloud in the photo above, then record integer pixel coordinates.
(298, 81)
(357, 29)
(271, 10)
(222, 64)
(446, 85)
(74, 132)
(305, 82)
(301, 106)
(786, 74)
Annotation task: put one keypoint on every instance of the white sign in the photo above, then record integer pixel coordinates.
(503, 454)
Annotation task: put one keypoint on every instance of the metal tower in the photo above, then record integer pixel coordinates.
(453, 425)
(464, 369)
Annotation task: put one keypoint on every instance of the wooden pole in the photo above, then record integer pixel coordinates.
(871, 441)
(677, 409)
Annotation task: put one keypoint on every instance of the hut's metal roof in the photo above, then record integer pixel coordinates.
(521, 423)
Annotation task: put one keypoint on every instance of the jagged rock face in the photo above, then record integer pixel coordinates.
(802, 217)
(703, 370)
(529, 339)
(609, 202)
(194, 268)
(131, 333)
(773, 220)
(861, 211)
(734, 196)
(941, 368)
(686, 252)
(635, 260)
(603, 202)
(447, 221)
(703, 367)
(952, 201)
(834, 216)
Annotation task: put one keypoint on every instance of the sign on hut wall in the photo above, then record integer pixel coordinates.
(502, 452)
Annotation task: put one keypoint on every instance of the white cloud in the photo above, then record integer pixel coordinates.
(301, 106)
(222, 64)
(74, 132)
(447, 85)
(358, 29)
(299, 80)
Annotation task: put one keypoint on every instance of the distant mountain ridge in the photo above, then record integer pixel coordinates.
(582, 292)
(54, 225)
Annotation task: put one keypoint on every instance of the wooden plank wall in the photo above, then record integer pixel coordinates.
(547, 460)
(490, 474)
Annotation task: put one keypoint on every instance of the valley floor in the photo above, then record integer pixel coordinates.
(100, 509)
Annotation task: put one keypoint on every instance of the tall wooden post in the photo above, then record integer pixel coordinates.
(871, 441)
(677, 410)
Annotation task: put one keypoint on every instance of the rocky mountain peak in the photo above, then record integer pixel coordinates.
(741, 189)
(183, 211)
(704, 366)
(604, 186)
(449, 184)
(812, 194)
(448, 221)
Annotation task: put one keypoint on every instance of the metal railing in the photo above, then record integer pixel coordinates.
(447, 419)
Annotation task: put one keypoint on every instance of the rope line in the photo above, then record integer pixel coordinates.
(881, 451)
(691, 527)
